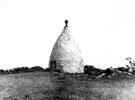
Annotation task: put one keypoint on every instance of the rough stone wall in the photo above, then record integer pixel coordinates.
(67, 54)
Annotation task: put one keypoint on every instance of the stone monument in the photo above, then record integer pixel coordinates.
(66, 55)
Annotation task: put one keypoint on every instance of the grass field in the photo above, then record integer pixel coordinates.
(54, 86)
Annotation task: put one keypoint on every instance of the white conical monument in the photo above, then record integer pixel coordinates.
(66, 55)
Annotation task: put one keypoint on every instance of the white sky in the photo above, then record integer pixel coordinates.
(103, 29)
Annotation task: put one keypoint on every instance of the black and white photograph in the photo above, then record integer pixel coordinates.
(67, 50)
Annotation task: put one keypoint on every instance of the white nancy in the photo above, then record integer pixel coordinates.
(66, 55)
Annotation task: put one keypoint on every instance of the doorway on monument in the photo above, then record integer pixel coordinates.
(53, 65)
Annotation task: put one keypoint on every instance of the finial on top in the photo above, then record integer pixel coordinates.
(66, 22)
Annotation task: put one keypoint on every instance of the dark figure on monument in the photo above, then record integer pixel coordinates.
(66, 22)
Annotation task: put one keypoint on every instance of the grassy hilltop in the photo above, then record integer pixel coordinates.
(60, 86)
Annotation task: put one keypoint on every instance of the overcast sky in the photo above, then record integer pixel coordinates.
(103, 29)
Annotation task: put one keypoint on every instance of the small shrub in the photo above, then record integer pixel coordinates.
(2, 71)
(47, 70)
(131, 65)
(36, 68)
